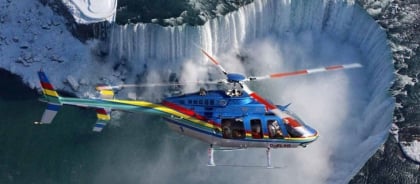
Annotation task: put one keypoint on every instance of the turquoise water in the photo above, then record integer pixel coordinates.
(38, 154)
(136, 149)
(66, 151)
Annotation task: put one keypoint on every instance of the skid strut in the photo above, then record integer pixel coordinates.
(211, 156)
(269, 158)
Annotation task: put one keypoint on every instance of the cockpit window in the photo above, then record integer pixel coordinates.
(291, 123)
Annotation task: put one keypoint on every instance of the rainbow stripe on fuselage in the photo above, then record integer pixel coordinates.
(186, 119)
(189, 120)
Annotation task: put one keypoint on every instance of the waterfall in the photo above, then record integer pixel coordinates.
(370, 114)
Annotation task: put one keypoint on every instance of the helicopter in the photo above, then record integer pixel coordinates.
(236, 118)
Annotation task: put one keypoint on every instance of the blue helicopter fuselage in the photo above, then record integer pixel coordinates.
(233, 119)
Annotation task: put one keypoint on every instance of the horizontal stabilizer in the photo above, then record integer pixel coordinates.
(104, 117)
(100, 124)
(106, 92)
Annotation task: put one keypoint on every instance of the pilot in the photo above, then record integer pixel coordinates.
(274, 129)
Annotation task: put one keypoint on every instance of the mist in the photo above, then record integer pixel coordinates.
(334, 103)
(350, 108)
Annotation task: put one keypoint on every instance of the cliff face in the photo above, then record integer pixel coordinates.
(401, 20)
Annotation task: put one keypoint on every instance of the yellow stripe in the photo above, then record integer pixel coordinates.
(300, 138)
(50, 92)
(107, 93)
(265, 136)
(164, 109)
(103, 116)
(248, 134)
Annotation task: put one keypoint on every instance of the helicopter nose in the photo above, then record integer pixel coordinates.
(311, 131)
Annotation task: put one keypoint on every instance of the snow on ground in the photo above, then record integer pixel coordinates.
(412, 149)
(92, 11)
(32, 37)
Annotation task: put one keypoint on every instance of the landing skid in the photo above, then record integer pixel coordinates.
(212, 164)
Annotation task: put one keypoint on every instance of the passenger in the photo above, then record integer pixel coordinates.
(237, 134)
(274, 129)
(226, 129)
(256, 132)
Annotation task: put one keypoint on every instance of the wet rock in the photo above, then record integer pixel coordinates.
(46, 27)
(15, 39)
(56, 58)
(83, 82)
(73, 82)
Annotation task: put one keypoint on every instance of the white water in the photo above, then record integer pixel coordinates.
(351, 109)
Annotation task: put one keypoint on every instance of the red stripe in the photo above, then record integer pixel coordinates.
(334, 67)
(292, 122)
(189, 112)
(47, 86)
(179, 108)
(300, 72)
(211, 58)
(101, 111)
(267, 104)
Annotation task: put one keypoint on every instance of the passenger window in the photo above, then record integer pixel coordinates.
(274, 130)
(233, 129)
(256, 129)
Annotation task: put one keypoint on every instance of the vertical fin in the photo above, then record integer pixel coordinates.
(50, 113)
(47, 88)
(51, 96)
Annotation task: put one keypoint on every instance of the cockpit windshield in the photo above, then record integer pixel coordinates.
(292, 114)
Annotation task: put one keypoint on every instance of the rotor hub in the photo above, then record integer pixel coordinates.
(235, 77)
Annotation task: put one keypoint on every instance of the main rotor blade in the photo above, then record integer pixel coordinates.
(268, 105)
(215, 62)
(306, 71)
(157, 84)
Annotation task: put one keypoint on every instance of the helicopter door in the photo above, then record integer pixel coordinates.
(233, 128)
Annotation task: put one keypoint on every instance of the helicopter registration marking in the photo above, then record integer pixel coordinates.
(280, 145)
